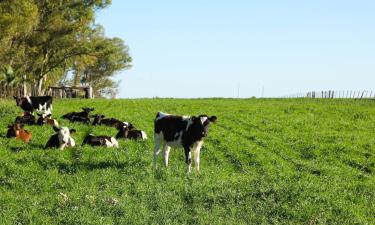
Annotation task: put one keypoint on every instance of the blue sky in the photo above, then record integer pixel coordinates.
(210, 48)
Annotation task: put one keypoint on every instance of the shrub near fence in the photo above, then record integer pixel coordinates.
(335, 94)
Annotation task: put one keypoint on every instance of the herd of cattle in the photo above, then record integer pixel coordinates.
(169, 130)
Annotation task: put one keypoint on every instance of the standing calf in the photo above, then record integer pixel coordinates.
(39, 103)
(16, 130)
(180, 131)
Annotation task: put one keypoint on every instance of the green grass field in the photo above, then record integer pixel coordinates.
(271, 161)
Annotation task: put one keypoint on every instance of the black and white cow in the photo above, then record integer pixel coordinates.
(100, 120)
(100, 141)
(26, 118)
(61, 139)
(127, 131)
(39, 103)
(46, 119)
(79, 116)
(180, 131)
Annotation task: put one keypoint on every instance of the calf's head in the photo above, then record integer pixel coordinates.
(14, 129)
(63, 134)
(200, 125)
(97, 119)
(88, 110)
(19, 100)
(125, 126)
(43, 118)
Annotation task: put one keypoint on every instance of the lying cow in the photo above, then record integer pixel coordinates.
(100, 141)
(127, 131)
(46, 119)
(61, 139)
(26, 118)
(79, 116)
(16, 130)
(79, 119)
(180, 131)
(100, 120)
(39, 103)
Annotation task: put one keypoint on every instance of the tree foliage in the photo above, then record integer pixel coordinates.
(44, 40)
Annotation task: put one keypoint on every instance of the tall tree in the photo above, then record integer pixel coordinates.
(43, 40)
(109, 55)
(56, 41)
(18, 18)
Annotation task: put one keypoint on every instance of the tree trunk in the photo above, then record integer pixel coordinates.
(24, 87)
(39, 86)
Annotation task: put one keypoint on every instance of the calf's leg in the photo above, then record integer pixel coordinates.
(157, 145)
(166, 154)
(188, 158)
(196, 151)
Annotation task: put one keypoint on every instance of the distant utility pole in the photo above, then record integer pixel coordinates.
(238, 90)
(262, 91)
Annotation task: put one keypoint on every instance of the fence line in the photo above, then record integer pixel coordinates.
(366, 94)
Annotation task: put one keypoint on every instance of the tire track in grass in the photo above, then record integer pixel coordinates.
(290, 157)
(301, 160)
(260, 158)
(304, 161)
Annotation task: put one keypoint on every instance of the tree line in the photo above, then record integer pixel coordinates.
(56, 42)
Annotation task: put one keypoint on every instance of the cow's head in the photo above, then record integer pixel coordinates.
(200, 125)
(19, 100)
(128, 125)
(14, 129)
(123, 129)
(88, 110)
(43, 118)
(63, 134)
(125, 126)
(97, 119)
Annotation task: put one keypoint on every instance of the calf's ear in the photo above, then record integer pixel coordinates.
(72, 131)
(15, 97)
(212, 119)
(56, 128)
(92, 109)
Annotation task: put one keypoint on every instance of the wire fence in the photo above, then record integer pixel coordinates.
(334, 94)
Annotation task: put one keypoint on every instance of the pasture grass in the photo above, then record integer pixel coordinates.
(265, 161)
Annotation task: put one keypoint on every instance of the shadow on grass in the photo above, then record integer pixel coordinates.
(29, 147)
(72, 168)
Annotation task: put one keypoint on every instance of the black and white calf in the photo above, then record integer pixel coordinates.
(39, 103)
(100, 141)
(180, 131)
(46, 119)
(26, 118)
(127, 131)
(61, 139)
(100, 120)
(79, 116)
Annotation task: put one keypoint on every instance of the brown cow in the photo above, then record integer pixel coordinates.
(16, 130)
